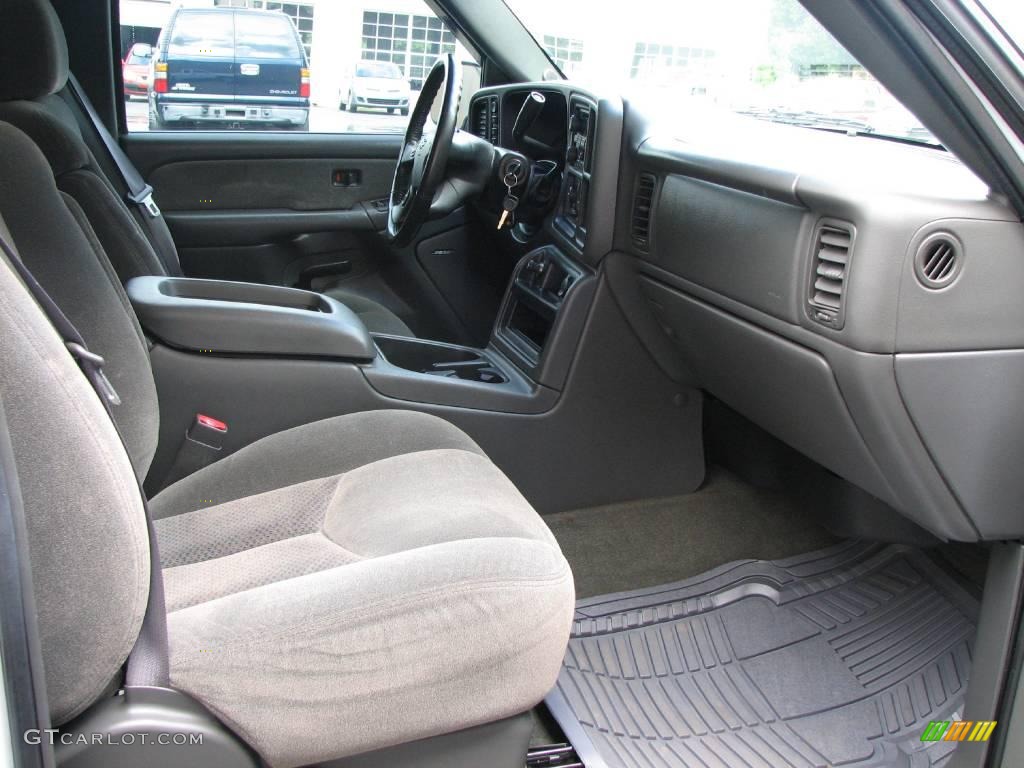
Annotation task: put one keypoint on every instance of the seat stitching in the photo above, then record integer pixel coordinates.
(197, 513)
(408, 600)
(358, 558)
(279, 580)
(343, 475)
(420, 597)
(309, 480)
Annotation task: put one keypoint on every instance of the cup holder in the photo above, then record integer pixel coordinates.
(439, 360)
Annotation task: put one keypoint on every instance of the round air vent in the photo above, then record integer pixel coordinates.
(938, 261)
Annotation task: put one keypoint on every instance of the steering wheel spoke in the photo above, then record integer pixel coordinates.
(424, 155)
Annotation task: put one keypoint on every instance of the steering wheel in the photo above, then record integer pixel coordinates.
(425, 150)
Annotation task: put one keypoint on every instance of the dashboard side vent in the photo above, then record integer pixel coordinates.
(833, 248)
(938, 261)
(643, 199)
(484, 119)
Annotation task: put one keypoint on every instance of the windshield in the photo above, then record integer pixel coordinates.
(379, 69)
(204, 33)
(266, 36)
(139, 58)
(1010, 16)
(766, 59)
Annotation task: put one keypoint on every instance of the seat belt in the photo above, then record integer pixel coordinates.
(148, 662)
(139, 192)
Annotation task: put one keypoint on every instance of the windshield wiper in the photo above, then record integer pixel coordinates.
(834, 124)
(807, 119)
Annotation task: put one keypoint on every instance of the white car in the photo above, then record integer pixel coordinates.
(375, 85)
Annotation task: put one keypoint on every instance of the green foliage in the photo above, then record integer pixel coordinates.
(765, 74)
(799, 42)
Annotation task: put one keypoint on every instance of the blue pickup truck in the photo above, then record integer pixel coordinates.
(229, 68)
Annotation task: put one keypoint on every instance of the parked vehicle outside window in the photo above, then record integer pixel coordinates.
(220, 67)
(238, 64)
(376, 85)
(135, 70)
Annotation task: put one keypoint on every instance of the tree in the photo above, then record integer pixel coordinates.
(800, 41)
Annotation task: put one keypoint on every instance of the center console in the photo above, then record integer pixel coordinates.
(231, 318)
(523, 367)
(570, 216)
(541, 285)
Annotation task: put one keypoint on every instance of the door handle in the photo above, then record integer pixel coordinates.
(309, 274)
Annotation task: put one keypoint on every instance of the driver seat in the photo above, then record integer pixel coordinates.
(35, 97)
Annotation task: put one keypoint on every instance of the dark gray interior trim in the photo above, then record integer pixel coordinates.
(966, 407)
(611, 436)
(868, 386)
(255, 227)
(623, 283)
(515, 395)
(662, 153)
(502, 744)
(151, 150)
(222, 317)
(121, 720)
(998, 623)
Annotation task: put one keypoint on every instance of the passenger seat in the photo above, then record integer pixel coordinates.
(35, 97)
(331, 590)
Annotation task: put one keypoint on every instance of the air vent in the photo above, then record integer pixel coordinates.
(938, 261)
(484, 118)
(642, 201)
(832, 249)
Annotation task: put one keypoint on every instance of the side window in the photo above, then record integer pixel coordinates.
(320, 66)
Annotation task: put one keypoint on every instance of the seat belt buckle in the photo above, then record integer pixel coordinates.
(144, 199)
(207, 431)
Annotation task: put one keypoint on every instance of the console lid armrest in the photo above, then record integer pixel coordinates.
(248, 318)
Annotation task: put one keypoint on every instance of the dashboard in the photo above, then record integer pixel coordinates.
(858, 299)
(585, 148)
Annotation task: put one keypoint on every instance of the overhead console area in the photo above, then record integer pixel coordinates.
(858, 299)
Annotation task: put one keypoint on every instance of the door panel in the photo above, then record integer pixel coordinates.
(279, 172)
(196, 229)
(149, 151)
(307, 184)
(298, 210)
(270, 207)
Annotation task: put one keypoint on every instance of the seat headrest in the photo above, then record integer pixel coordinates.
(33, 51)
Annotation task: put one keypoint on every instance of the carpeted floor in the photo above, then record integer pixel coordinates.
(657, 541)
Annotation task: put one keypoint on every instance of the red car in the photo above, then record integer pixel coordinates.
(135, 70)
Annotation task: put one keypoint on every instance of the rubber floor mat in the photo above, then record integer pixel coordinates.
(837, 657)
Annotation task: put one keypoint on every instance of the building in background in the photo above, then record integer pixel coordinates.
(141, 21)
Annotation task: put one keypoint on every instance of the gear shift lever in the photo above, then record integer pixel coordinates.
(528, 114)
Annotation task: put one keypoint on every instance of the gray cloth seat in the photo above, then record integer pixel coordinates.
(384, 578)
(404, 592)
(38, 102)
